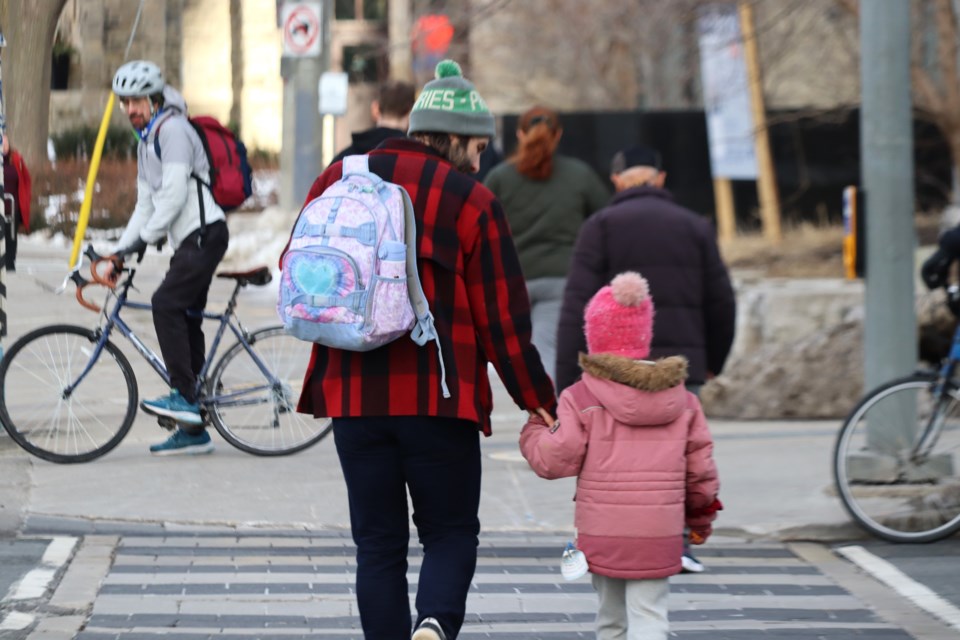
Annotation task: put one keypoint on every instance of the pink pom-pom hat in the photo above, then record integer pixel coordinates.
(619, 318)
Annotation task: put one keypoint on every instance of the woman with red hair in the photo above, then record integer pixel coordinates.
(546, 196)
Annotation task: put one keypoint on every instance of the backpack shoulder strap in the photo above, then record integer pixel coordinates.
(356, 164)
(156, 138)
(425, 330)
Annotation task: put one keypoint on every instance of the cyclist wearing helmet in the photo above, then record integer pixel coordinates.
(169, 200)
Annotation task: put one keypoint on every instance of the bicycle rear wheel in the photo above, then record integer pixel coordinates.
(51, 424)
(889, 488)
(254, 413)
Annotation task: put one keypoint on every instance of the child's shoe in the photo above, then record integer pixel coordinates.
(573, 564)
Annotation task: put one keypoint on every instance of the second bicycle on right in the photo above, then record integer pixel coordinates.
(896, 461)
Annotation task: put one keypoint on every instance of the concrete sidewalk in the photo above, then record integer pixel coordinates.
(775, 484)
(775, 476)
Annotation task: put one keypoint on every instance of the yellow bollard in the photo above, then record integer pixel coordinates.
(91, 182)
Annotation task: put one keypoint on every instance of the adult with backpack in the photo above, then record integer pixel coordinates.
(407, 417)
(174, 203)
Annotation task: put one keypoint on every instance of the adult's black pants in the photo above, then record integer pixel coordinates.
(185, 287)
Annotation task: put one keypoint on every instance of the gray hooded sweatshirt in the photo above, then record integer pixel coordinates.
(167, 201)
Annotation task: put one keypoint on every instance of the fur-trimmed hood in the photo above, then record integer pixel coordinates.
(637, 392)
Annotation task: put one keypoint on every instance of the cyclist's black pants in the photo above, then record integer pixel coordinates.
(184, 287)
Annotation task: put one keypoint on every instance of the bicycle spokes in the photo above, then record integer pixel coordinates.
(255, 411)
(898, 462)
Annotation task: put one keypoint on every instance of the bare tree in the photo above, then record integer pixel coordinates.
(571, 54)
(810, 56)
(29, 28)
(934, 69)
(936, 85)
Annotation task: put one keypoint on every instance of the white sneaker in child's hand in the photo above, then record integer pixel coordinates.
(573, 565)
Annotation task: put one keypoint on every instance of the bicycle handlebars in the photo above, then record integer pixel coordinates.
(110, 282)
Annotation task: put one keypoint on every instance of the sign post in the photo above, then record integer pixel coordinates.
(302, 25)
(736, 123)
(727, 105)
(334, 86)
(766, 178)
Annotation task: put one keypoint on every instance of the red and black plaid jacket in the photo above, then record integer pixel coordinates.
(471, 277)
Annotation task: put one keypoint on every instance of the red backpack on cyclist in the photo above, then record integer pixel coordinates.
(230, 173)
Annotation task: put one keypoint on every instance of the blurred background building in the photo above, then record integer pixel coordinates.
(619, 72)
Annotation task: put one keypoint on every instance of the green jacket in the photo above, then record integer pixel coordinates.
(545, 215)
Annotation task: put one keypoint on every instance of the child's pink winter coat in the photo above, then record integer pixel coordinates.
(639, 444)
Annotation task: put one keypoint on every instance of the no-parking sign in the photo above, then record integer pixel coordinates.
(301, 26)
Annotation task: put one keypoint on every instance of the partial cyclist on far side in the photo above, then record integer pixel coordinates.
(173, 206)
(896, 462)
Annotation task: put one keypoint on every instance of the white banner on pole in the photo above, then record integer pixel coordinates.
(726, 94)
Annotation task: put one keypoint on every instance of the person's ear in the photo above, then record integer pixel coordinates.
(660, 180)
(521, 135)
(617, 182)
(375, 110)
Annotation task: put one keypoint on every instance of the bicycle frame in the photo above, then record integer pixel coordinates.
(928, 438)
(113, 320)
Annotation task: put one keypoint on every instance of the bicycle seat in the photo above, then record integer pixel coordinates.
(258, 276)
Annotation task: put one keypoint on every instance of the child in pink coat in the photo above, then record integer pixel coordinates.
(639, 445)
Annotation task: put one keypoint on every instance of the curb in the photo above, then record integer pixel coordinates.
(37, 524)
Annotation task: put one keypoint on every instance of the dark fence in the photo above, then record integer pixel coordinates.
(814, 158)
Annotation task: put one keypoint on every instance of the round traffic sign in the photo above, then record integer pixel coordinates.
(301, 30)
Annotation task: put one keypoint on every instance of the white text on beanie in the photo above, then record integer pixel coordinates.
(451, 104)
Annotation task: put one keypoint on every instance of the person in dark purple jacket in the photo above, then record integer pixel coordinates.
(643, 229)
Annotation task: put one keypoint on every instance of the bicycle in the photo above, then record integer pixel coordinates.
(63, 401)
(896, 461)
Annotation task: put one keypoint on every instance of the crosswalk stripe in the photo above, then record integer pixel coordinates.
(917, 593)
(303, 587)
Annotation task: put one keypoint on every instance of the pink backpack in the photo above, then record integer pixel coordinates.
(349, 277)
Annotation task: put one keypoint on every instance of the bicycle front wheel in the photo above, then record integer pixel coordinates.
(897, 461)
(255, 410)
(53, 421)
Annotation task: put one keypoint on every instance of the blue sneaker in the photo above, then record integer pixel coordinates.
(174, 406)
(183, 443)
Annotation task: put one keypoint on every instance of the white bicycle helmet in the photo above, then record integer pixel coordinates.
(137, 79)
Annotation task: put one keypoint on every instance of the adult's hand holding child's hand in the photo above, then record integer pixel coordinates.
(540, 417)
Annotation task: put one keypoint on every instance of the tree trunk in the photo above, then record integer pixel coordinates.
(29, 28)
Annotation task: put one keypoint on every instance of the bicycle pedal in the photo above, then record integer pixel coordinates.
(167, 423)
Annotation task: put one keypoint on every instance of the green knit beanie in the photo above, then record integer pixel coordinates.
(451, 104)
